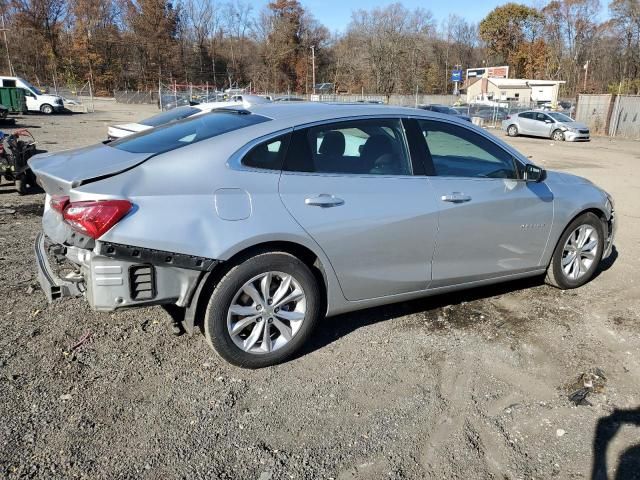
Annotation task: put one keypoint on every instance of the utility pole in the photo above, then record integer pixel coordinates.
(586, 74)
(313, 67)
(6, 46)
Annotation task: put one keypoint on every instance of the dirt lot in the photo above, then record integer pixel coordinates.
(471, 385)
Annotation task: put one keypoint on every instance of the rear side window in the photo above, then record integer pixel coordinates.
(268, 155)
(528, 115)
(186, 132)
(169, 116)
(459, 152)
(358, 147)
(9, 83)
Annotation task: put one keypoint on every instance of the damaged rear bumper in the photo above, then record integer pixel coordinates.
(53, 286)
(113, 280)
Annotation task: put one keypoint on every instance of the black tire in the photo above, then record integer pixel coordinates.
(21, 186)
(46, 109)
(559, 134)
(215, 321)
(555, 275)
(512, 131)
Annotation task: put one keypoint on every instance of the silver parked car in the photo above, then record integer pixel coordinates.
(257, 224)
(553, 125)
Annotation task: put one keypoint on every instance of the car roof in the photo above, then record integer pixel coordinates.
(305, 112)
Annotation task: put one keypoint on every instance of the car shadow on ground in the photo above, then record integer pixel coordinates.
(628, 467)
(333, 328)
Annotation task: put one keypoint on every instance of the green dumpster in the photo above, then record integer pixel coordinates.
(13, 99)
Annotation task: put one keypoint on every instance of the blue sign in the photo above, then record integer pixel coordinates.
(456, 75)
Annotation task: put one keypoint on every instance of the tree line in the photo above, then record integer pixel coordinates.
(135, 44)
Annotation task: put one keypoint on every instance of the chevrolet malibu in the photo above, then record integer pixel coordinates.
(255, 225)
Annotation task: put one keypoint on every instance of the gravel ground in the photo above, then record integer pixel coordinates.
(471, 385)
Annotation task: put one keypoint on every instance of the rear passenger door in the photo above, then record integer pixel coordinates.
(353, 187)
(526, 123)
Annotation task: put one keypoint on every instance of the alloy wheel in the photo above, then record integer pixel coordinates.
(579, 252)
(266, 312)
(558, 136)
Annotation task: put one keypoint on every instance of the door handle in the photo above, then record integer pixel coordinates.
(324, 200)
(455, 197)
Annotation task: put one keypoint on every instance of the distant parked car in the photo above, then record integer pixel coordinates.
(446, 110)
(289, 98)
(553, 125)
(489, 113)
(118, 131)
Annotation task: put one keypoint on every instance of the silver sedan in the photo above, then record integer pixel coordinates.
(553, 125)
(255, 225)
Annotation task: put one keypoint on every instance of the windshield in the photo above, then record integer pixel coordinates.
(185, 132)
(169, 116)
(560, 117)
(31, 87)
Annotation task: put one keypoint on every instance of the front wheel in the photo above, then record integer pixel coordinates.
(263, 310)
(577, 253)
(46, 109)
(512, 131)
(558, 135)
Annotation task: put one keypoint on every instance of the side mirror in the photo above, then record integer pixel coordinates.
(533, 173)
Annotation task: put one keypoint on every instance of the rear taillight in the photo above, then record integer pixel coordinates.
(94, 218)
(59, 202)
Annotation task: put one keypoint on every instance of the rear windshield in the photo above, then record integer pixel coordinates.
(169, 116)
(185, 132)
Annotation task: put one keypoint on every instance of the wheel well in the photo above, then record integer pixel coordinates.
(301, 252)
(596, 211)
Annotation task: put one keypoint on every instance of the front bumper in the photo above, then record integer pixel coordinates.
(612, 229)
(109, 283)
(576, 137)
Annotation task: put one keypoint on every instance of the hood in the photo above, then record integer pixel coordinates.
(578, 125)
(566, 178)
(59, 172)
(47, 97)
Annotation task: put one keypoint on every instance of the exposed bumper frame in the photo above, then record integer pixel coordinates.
(53, 286)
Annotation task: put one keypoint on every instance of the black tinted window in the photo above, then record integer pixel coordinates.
(185, 132)
(528, 115)
(364, 147)
(459, 152)
(268, 155)
(169, 116)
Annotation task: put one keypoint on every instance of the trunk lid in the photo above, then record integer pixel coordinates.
(60, 172)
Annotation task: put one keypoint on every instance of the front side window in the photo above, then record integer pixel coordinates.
(268, 155)
(359, 147)
(541, 117)
(459, 152)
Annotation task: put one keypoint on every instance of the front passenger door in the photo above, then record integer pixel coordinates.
(491, 222)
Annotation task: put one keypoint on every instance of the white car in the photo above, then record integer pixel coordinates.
(35, 99)
(118, 131)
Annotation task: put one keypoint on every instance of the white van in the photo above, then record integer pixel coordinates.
(35, 99)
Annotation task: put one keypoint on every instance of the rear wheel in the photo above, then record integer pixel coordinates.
(578, 253)
(558, 135)
(46, 109)
(512, 131)
(263, 310)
